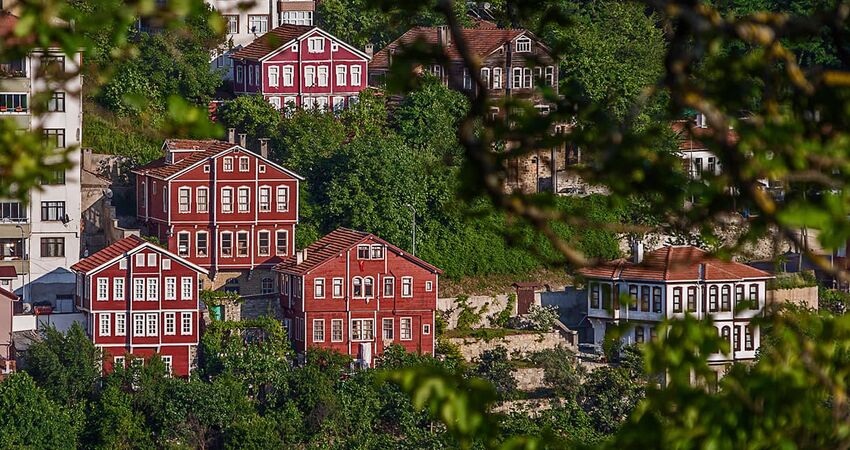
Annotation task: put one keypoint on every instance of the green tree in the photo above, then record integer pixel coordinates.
(31, 419)
(609, 395)
(561, 371)
(495, 366)
(116, 423)
(252, 115)
(67, 366)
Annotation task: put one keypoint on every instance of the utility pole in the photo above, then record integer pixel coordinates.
(413, 210)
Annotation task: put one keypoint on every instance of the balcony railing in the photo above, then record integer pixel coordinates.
(13, 69)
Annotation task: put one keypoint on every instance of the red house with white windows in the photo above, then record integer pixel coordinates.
(301, 66)
(140, 299)
(220, 206)
(355, 293)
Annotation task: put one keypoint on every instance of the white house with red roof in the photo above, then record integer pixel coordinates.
(301, 66)
(139, 299)
(673, 281)
(355, 293)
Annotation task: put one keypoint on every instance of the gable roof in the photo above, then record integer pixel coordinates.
(333, 244)
(8, 272)
(202, 150)
(270, 43)
(482, 42)
(674, 263)
(8, 294)
(129, 245)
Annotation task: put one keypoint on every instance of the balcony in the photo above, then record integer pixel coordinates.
(14, 69)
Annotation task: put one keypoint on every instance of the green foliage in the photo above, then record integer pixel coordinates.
(793, 280)
(30, 419)
(117, 425)
(609, 395)
(469, 316)
(502, 318)
(832, 300)
(495, 366)
(66, 365)
(542, 318)
(252, 115)
(112, 135)
(561, 371)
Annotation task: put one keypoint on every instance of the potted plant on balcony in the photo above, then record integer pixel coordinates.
(19, 109)
(3, 108)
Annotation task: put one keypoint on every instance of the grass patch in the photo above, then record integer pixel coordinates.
(105, 133)
(793, 280)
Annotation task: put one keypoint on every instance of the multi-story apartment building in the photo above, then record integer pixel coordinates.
(245, 22)
(40, 238)
(355, 293)
(222, 207)
(301, 66)
(139, 299)
(514, 63)
(671, 282)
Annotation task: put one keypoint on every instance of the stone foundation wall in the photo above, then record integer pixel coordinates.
(494, 305)
(521, 344)
(529, 379)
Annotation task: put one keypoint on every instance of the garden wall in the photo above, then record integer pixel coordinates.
(523, 344)
(807, 295)
(497, 303)
(529, 378)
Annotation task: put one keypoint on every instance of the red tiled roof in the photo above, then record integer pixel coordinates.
(108, 254)
(482, 42)
(8, 272)
(674, 263)
(690, 140)
(271, 41)
(334, 243)
(205, 149)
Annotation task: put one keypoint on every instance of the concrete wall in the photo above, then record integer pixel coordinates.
(523, 344)
(807, 295)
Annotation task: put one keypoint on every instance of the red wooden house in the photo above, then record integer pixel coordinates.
(301, 66)
(140, 299)
(355, 293)
(220, 206)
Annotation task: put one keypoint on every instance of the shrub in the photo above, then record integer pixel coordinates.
(495, 367)
(793, 280)
(502, 317)
(561, 372)
(833, 301)
(468, 316)
(542, 318)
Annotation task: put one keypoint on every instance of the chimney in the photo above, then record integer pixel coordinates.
(637, 251)
(300, 256)
(243, 140)
(264, 147)
(369, 50)
(444, 37)
(87, 159)
(231, 135)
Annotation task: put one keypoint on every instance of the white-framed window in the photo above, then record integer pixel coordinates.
(288, 75)
(338, 104)
(227, 200)
(341, 75)
(138, 289)
(336, 330)
(206, 168)
(102, 289)
(319, 288)
(281, 243)
(407, 286)
(244, 164)
(405, 325)
(118, 289)
(274, 76)
(362, 329)
(467, 79)
(297, 18)
(166, 264)
(171, 288)
(153, 289)
(429, 286)
(138, 324)
(323, 75)
(318, 330)
(186, 288)
(104, 321)
(363, 251)
(241, 243)
(377, 251)
(122, 264)
(523, 45)
(201, 242)
(265, 198)
(527, 79)
(388, 329)
(337, 288)
(550, 75)
(426, 328)
(151, 259)
(357, 287)
(184, 200)
(183, 239)
(497, 78)
(275, 101)
(228, 164)
(118, 361)
(356, 77)
(517, 77)
(170, 327)
(389, 287)
(140, 260)
(368, 287)
(152, 320)
(321, 103)
(315, 45)
(244, 199)
(120, 324)
(202, 200)
(282, 199)
(309, 76)
(264, 242)
(232, 27)
(240, 73)
(186, 323)
(290, 103)
(485, 76)
(167, 361)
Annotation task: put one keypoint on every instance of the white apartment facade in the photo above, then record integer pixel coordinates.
(243, 25)
(41, 239)
(674, 281)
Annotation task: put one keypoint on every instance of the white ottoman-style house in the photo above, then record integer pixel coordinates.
(671, 282)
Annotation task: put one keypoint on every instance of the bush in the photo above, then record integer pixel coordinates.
(468, 316)
(495, 367)
(793, 280)
(501, 319)
(833, 301)
(561, 371)
(542, 318)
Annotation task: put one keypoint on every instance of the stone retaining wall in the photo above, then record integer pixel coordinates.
(529, 379)
(523, 344)
(807, 295)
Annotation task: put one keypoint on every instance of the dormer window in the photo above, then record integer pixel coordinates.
(362, 252)
(377, 252)
(523, 45)
(316, 45)
(169, 158)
